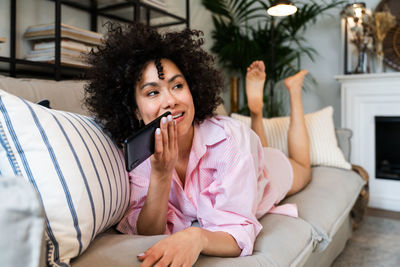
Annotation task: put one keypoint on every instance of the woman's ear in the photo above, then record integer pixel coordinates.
(137, 114)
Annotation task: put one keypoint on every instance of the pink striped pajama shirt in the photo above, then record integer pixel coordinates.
(231, 180)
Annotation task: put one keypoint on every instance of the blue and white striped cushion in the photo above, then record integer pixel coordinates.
(77, 171)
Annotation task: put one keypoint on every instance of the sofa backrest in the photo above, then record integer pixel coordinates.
(63, 95)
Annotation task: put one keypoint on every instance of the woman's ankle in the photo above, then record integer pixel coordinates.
(256, 115)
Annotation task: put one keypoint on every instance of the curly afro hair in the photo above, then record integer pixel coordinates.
(117, 67)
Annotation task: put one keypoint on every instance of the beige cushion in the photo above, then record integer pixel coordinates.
(63, 95)
(324, 148)
(327, 200)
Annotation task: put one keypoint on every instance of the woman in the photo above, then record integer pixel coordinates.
(205, 168)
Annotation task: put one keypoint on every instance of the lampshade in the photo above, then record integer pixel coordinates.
(282, 8)
(353, 10)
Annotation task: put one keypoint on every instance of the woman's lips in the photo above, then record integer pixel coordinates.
(179, 117)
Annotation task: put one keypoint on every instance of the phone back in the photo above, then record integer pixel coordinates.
(140, 146)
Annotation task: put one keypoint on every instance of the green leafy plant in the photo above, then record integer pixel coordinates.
(244, 32)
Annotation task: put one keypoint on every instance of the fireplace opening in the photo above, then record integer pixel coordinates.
(387, 148)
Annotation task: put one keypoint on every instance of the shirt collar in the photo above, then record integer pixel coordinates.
(208, 133)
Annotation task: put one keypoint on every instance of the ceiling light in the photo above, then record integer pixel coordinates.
(282, 8)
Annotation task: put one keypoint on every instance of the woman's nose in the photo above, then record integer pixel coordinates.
(169, 100)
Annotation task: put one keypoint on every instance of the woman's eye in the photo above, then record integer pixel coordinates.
(178, 86)
(152, 93)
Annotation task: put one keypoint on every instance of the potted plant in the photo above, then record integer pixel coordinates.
(243, 32)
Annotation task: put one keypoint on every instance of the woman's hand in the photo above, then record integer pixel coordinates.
(166, 148)
(180, 249)
(152, 219)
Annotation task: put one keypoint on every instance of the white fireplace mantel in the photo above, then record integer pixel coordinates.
(364, 96)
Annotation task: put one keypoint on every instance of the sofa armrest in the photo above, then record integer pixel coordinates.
(344, 141)
(21, 224)
(359, 208)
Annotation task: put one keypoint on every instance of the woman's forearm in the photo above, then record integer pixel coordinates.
(153, 216)
(217, 243)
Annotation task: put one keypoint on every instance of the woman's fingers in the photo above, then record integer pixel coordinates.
(177, 262)
(164, 133)
(165, 260)
(171, 133)
(158, 144)
(166, 144)
(149, 259)
(176, 136)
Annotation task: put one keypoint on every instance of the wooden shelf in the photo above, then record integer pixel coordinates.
(3, 40)
(113, 9)
(41, 69)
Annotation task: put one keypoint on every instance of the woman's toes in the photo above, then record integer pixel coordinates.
(303, 72)
(295, 82)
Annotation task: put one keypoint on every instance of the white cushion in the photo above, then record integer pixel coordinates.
(77, 171)
(324, 148)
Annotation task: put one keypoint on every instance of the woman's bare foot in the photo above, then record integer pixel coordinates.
(295, 83)
(255, 79)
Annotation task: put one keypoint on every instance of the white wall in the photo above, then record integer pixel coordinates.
(324, 36)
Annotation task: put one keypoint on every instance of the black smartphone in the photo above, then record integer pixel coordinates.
(140, 145)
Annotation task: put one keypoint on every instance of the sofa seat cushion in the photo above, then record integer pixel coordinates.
(327, 200)
(283, 241)
(114, 249)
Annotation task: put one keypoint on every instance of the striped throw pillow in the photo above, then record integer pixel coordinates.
(77, 171)
(324, 148)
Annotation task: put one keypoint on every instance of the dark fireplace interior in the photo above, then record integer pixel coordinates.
(387, 148)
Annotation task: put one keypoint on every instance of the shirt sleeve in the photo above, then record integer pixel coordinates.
(139, 184)
(229, 203)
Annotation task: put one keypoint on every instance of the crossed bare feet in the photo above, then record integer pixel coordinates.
(255, 79)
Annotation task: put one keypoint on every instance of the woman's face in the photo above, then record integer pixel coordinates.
(155, 96)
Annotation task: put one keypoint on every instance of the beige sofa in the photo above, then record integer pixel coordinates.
(316, 238)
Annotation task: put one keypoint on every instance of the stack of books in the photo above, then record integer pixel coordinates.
(156, 3)
(75, 43)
